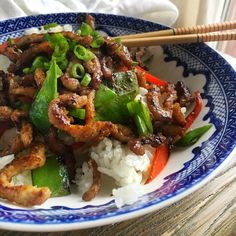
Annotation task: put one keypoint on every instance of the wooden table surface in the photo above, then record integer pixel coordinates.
(211, 210)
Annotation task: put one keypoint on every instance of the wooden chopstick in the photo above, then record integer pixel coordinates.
(177, 39)
(228, 25)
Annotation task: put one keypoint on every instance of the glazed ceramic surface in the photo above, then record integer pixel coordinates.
(202, 69)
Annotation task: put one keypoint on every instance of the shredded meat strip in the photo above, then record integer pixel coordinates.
(184, 95)
(141, 79)
(155, 107)
(115, 49)
(12, 53)
(107, 72)
(39, 77)
(24, 91)
(27, 56)
(96, 185)
(23, 194)
(24, 137)
(94, 67)
(90, 21)
(69, 83)
(83, 40)
(26, 40)
(83, 133)
(22, 140)
(7, 113)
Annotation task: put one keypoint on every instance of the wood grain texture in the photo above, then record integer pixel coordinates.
(211, 210)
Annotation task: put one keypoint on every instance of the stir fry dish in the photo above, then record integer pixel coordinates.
(75, 105)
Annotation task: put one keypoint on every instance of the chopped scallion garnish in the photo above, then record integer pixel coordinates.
(82, 53)
(86, 79)
(77, 71)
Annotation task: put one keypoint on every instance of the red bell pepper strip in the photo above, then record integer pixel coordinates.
(3, 46)
(152, 79)
(196, 110)
(160, 158)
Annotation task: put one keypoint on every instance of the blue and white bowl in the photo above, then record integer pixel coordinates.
(201, 68)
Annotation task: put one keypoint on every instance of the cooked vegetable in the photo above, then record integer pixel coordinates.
(61, 46)
(140, 123)
(39, 109)
(39, 62)
(152, 79)
(124, 82)
(192, 136)
(103, 95)
(78, 113)
(86, 79)
(77, 71)
(85, 29)
(141, 114)
(160, 158)
(113, 105)
(194, 114)
(78, 89)
(82, 53)
(52, 175)
(97, 40)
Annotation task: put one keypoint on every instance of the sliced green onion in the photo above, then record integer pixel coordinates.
(86, 79)
(85, 29)
(140, 123)
(192, 136)
(79, 113)
(82, 53)
(61, 46)
(77, 71)
(98, 40)
(51, 25)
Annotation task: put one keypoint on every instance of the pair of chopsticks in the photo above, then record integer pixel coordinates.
(195, 34)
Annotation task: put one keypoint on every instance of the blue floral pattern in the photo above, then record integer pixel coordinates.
(220, 92)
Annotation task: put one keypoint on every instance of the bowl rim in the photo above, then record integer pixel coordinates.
(121, 217)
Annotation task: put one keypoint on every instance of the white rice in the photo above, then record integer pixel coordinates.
(128, 194)
(119, 162)
(84, 178)
(22, 178)
(56, 29)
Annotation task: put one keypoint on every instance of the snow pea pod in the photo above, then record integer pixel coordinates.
(39, 109)
(192, 136)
